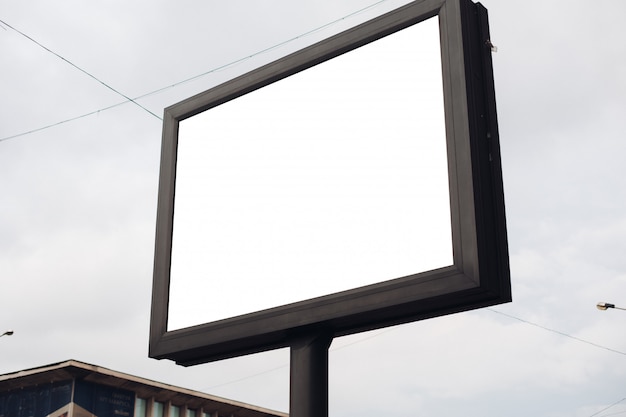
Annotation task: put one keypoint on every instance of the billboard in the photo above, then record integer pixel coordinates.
(333, 190)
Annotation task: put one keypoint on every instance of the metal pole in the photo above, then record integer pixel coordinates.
(308, 380)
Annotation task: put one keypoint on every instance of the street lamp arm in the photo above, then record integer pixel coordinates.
(606, 306)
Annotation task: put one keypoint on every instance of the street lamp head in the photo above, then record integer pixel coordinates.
(604, 306)
(7, 333)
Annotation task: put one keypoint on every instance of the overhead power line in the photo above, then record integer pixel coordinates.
(77, 67)
(558, 332)
(211, 71)
(61, 122)
(606, 408)
(380, 333)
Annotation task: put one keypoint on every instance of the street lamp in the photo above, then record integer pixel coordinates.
(7, 333)
(606, 306)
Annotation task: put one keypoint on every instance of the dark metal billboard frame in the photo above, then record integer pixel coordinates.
(479, 275)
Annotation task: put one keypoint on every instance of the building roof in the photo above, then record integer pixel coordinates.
(144, 388)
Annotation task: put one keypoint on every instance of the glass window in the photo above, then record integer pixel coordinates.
(140, 407)
(157, 409)
(174, 411)
(191, 413)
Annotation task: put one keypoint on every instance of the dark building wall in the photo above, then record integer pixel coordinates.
(103, 401)
(55, 400)
(39, 401)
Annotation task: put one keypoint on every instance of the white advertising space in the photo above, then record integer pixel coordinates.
(331, 179)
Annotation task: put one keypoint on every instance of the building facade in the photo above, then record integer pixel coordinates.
(78, 389)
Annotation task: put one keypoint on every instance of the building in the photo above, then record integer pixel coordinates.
(77, 389)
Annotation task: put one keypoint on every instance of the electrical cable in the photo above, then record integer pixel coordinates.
(176, 84)
(62, 122)
(604, 409)
(78, 68)
(557, 332)
(286, 365)
(395, 327)
(222, 67)
(615, 414)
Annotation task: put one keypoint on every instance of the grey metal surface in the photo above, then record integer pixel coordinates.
(308, 379)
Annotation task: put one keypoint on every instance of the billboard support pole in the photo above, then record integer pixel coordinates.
(308, 379)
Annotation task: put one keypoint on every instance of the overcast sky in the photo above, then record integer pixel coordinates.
(78, 204)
